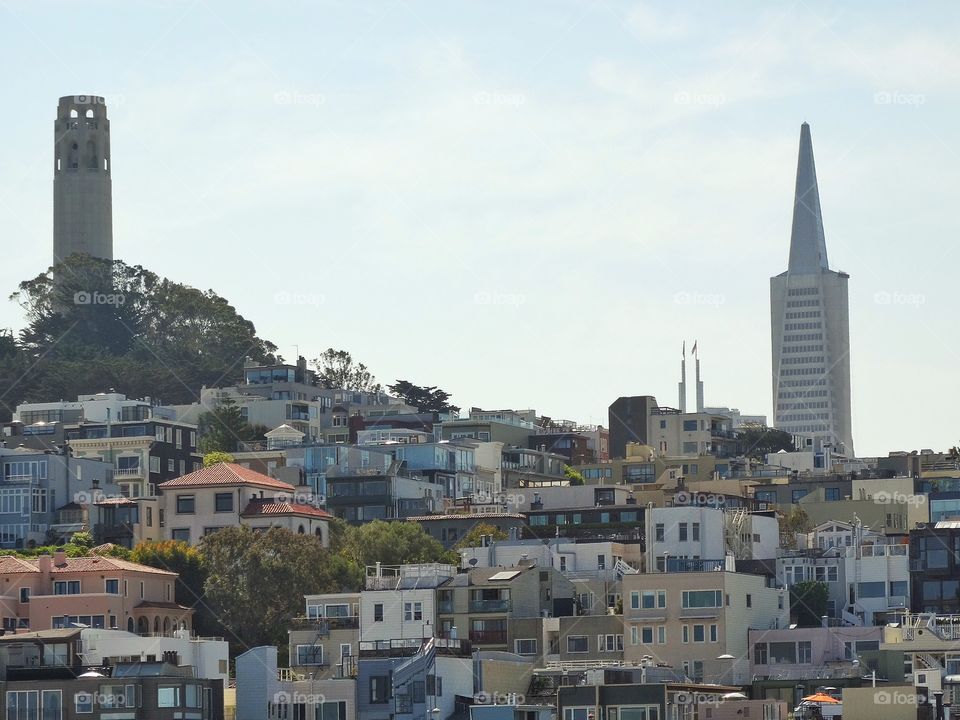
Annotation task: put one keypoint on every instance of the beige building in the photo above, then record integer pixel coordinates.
(325, 642)
(228, 495)
(688, 620)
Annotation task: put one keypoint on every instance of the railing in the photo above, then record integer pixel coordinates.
(675, 564)
(581, 664)
(445, 606)
(325, 624)
(127, 472)
(489, 605)
(945, 627)
(411, 646)
(488, 637)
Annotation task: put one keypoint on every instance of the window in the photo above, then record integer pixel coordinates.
(899, 587)
(412, 611)
(831, 494)
(309, 654)
(662, 634)
(646, 634)
(223, 502)
(713, 633)
(804, 652)
(601, 562)
(193, 696)
(181, 534)
(695, 531)
(24, 594)
(154, 464)
(760, 654)
(683, 532)
(702, 599)
(168, 696)
(577, 644)
(699, 633)
(68, 587)
(378, 612)
(22, 704)
(796, 495)
(525, 646)
(832, 573)
(51, 704)
(635, 712)
(83, 702)
(689, 425)
(609, 643)
(686, 633)
(871, 589)
(659, 532)
(749, 600)
(379, 689)
(185, 504)
(171, 466)
(112, 587)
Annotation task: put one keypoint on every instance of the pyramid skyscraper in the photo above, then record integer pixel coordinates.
(810, 326)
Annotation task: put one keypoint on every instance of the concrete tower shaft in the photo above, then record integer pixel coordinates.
(82, 204)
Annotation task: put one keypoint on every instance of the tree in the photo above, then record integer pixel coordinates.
(336, 369)
(573, 475)
(791, 523)
(426, 399)
(808, 602)
(187, 561)
(82, 539)
(474, 537)
(104, 324)
(393, 543)
(257, 579)
(757, 441)
(216, 457)
(224, 428)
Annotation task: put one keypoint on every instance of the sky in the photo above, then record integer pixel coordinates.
(528, 204)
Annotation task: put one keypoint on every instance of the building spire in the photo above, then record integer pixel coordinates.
(808, 247)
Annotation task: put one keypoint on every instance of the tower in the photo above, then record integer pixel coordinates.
(82, 206)
(682, 388)
(810, 326)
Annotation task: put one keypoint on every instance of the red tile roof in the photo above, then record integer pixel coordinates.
(10, 564)
(223, 474)
(95, 563)
(467, 516)
(257, 508)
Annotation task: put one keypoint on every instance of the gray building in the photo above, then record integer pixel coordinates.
(82, 205)
(628, 417)
(810, 326)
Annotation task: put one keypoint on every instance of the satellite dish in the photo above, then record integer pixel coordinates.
(472, 562)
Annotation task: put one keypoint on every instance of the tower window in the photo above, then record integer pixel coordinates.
(90, 113)
(73, 161)
(74, 113)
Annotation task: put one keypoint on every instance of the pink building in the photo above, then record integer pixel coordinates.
(97, 591)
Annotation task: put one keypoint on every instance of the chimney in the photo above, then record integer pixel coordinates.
(824, 621)
(44, 563)
(59, 558)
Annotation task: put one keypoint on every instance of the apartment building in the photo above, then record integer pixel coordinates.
(480, 603)
(228, 495)
(401, 602)
(935, 568)
(450, 528)
(325, 642)
(713, 537)
(125, 521)
(142, 453)
(48, 675)
(677, 433)
(693, 620)
(44, 497)
(568, 556)
(53, 592)
(929, 644)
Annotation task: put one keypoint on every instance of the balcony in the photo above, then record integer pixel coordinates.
(445, 606)
(488, 637)
(408, 647)
(128, 472)
(482, 606)
(675, 564)
(323, 626)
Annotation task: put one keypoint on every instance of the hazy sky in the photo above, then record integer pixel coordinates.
(529, 204)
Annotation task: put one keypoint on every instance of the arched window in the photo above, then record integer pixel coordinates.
(166, 626)
(90, 113)
(74, 113)
(156, 626)
(143, 625)
(300, 530)
(131, 626)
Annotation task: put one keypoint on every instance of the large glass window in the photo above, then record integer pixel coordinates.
(22, 704)
(702, 599)
(186, 504)
(168, 696)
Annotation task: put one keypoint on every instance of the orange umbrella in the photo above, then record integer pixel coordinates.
(821, 698)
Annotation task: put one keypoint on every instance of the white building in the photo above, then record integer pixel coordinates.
(209, 657)
(562, 554)
(399, 603)
(683, 538)
(100, 407)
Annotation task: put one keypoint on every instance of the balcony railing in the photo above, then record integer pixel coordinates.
(127, 472)
(445, 606)
(488, 637)
(489, 605)
(325, 625)
(693, 565)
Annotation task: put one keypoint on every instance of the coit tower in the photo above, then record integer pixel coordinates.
(82, 207)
